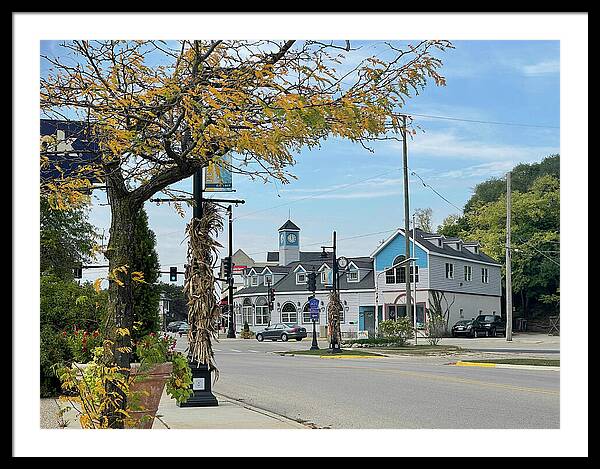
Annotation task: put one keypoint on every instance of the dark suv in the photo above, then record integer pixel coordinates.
(488, 325)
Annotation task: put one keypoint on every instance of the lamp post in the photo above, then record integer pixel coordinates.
(334, 344)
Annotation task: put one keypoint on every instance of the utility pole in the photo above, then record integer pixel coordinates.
(406, 214)
(230, 322)
(509, 312)
(414, 268)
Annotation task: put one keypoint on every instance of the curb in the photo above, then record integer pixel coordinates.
(505, 365)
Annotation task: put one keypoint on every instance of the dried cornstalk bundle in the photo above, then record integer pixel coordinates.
(333, 318)
(203, 310)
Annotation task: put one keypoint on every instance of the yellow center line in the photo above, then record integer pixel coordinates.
(452, 379)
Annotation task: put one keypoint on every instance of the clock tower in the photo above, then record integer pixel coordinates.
(289, 243)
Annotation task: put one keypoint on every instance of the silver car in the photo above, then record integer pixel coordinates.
(281, 331)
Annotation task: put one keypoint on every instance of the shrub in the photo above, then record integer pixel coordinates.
(398, 331)
(246, 333)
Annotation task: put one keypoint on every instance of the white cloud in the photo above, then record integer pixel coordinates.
(544, 67)
(446, 144)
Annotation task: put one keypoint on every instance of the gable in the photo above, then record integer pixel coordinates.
(384, 259)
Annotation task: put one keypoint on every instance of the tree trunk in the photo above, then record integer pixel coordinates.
(120, 254)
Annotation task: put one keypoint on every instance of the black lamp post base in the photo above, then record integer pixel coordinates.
(231, 334)
(201, 386)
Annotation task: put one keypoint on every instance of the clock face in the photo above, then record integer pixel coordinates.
(291, 238)
(342, 262)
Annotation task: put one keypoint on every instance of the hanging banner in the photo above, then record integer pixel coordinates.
(218, 175)
(70, 150)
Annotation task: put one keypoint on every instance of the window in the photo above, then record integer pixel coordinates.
(352, 276)
(476, 249)
(262, 312)
(268, 280)
(484, 275)
(389, 276)
(306, 314)
(289, 315)
(414, 276)
(400, 274)
(247, 312)
(468, 273)
(449, 270)
(300, 278)
(326, 276)
(440, 242)
(461, 313)
(254, 280)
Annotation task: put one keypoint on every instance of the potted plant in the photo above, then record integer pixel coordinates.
(92, 385)
(159, 365)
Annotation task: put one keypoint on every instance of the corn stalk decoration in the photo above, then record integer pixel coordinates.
(333, 318)
(203, 310)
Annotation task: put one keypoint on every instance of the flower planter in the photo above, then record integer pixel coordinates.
(146, 393)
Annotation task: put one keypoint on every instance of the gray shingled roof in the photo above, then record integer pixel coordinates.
(464, 253)
(288, 283)
(273, 256)
(289, 225)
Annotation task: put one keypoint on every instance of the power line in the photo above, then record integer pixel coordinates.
(440, 195)
(476, 121)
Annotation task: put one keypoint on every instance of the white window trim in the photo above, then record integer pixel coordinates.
(449, 271)
(298, 281)
(270, 277)
(468, 273)
(324, 275)
(254, 280)
(485, 275)
(353, 280)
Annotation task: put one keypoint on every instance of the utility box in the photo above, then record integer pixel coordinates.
(322, 331)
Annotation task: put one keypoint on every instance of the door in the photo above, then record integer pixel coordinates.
(366, 319)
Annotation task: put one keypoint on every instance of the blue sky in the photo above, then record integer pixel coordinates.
(343, 187)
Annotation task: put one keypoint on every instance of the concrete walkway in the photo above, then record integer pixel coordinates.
(228, 414)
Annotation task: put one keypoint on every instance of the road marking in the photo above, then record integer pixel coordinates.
(452, 379)
(234, 350)
(254, 351)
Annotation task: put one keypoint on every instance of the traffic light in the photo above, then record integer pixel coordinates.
(77, 272)
(173, 274)
(312, 282)
(227, 266)
(271, 295)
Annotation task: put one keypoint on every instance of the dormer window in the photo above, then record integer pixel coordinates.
(300, 278)
(440, 242)
(254, 280)
(476, 249)
(268, 279)
(352, 276)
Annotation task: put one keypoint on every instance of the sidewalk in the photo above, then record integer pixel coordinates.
(228, 414)
(520, 340)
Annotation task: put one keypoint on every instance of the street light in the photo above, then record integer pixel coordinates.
(402, 262)
(334, 345)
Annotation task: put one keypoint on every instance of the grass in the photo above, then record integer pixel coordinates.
(518, 361)
(423, 349)
(325, 352)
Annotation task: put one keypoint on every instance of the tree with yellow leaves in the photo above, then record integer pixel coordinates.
(161, 111)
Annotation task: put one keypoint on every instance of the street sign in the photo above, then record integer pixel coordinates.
(313, 307)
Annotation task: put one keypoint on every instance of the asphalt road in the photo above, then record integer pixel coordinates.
(395, 392)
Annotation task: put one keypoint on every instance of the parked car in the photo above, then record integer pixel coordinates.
(183, 329)
(487, 325)
(174, 326)
(464, 327)
(281, 331)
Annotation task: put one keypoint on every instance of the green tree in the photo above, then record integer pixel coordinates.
(178, 309)
(146, 294)
(64, 305)
(535, 227)
(66, 239)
